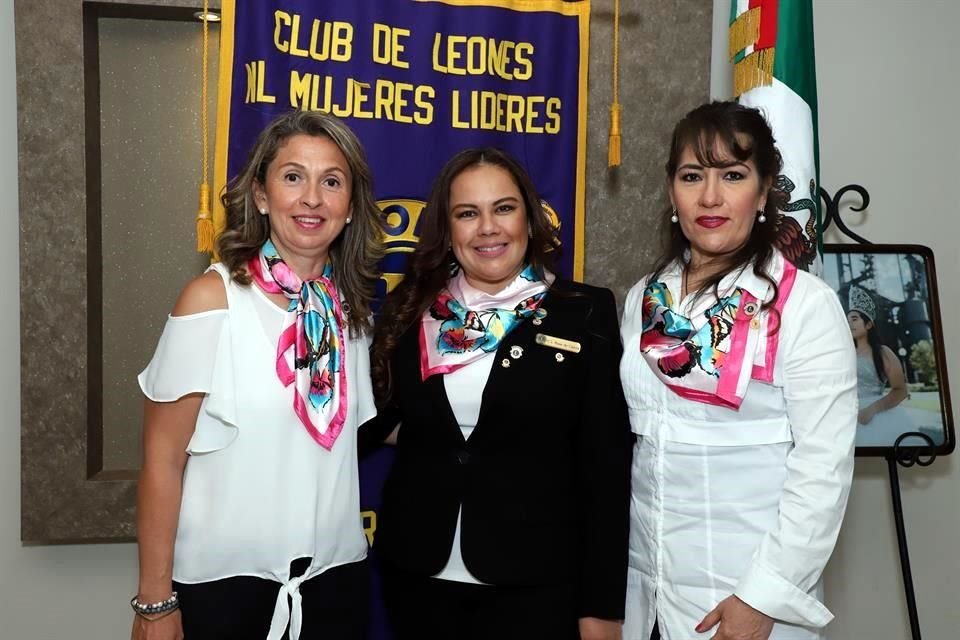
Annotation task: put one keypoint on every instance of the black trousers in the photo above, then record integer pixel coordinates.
(430, 609)
(335, 605)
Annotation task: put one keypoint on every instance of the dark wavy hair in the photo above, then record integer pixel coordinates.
(433, 262)
(714, 132)
(355, 253)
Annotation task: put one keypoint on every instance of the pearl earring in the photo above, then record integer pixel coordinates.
(675, 218)
(761, 218)
(349, 220)
(263, 211)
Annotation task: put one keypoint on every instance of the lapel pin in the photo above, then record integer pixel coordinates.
(558, 343)
(559, 357)
(505, 363)
(516, 351)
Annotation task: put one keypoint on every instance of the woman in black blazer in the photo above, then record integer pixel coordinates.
(506, 512)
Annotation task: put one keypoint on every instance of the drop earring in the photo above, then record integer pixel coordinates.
(761, 217)
(675, 218)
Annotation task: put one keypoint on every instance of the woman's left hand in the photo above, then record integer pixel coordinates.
(738, 621)
(599, 629)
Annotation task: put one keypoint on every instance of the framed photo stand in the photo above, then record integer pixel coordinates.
(890, 295)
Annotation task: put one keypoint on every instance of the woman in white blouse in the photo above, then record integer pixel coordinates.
(248, 508)
(741, 381)
(881, 384)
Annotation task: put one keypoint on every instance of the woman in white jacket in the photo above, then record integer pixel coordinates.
(741, 382)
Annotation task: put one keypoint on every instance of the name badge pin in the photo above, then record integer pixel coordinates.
(558, 343)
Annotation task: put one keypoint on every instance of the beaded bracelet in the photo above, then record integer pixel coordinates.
(164, 606)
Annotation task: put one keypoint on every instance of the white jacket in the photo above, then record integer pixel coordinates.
(749, 501)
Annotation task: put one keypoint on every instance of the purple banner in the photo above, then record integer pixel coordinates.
(418, 81)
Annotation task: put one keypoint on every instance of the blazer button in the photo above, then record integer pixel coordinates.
(463, 457)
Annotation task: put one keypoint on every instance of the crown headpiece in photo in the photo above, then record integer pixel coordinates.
(861, 302)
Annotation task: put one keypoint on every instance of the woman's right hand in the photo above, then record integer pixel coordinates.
(169, 627)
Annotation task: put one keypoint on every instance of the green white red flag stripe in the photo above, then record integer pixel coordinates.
(771, 45)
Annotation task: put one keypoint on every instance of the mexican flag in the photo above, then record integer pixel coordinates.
(771, 45)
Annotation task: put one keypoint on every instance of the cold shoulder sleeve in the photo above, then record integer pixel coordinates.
(185, 357)
(194, 356)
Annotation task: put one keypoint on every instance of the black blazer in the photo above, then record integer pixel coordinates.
(544, 480)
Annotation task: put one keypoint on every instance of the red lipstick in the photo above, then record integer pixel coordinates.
(711, 222)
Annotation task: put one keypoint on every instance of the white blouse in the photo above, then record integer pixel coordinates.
(258, 491)
(749, 501)
(464, 388)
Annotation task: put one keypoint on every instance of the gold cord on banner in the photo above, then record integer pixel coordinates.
(613, 143)
(204, 217)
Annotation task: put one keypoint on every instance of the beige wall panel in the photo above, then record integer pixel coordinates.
(149, 171)
(71, 491)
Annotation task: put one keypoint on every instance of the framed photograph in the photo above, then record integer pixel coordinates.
(890, 295)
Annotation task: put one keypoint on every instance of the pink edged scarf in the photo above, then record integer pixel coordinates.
(712, 357)
(310, 352)
(464, 323)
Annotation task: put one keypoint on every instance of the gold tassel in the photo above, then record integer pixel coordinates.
(756, 70)
(744, 31)
(613, 145)
(613, 141)
(204, 221)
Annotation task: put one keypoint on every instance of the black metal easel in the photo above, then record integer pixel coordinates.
(905, 457)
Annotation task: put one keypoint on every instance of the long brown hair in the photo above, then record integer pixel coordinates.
(432, 262)
(355, 253)
(715, 131)
(875, 342)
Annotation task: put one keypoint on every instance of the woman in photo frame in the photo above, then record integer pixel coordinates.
(881, 384)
